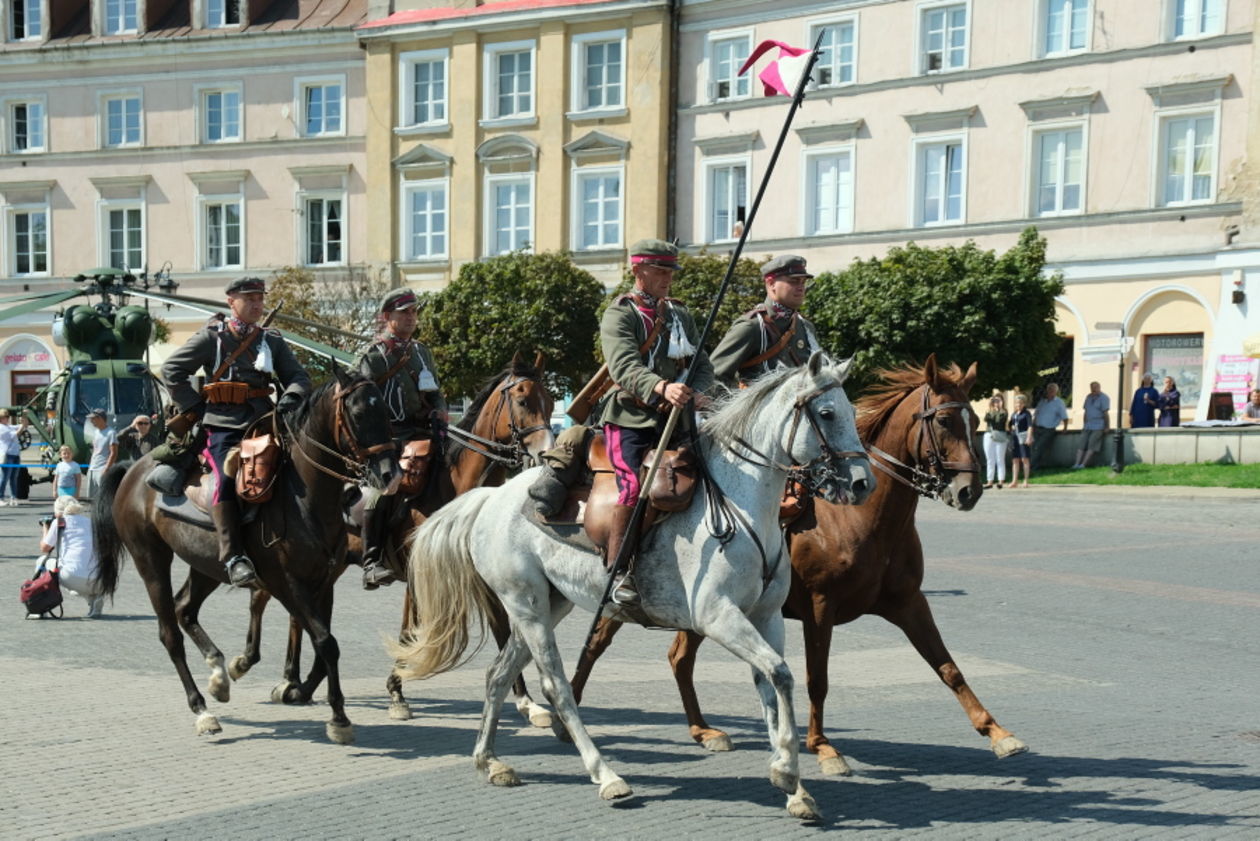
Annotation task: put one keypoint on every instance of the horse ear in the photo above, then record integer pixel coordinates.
(337, 372)
(816, 360)
(969, 379)
(539, 362)
(516, 359)
(930, 372)
(844, 368)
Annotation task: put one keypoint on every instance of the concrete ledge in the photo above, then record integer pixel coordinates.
(1169, 445)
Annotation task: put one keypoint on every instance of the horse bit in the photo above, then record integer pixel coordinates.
(341, 429)
(510, 455)
(933, 482)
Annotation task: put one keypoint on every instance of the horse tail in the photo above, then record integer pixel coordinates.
(105, 537)
(448, 593)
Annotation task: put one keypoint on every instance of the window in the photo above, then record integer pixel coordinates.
(509, 80)
(26, 23)
(728, 200)
(124, 232)
(424, 220)
(222, 234)
(829, 192)
(26, 127)
(424, 88)
(598, 209)
(221, 13)
(1188, 159)
(321, 103)
(726, 56)
(599, 71)
(511, 220)
(1067, 26)
(323, 231)
(222, 115)
(120, 16)
(30, 241)
(944, 38)
(122, 121)
(940, 179)
(1196, 18)
(1060, 166)
(837, 61)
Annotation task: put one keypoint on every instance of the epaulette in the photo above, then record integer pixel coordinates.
(756, 312)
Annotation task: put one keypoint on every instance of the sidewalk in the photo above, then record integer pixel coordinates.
(1146, 491)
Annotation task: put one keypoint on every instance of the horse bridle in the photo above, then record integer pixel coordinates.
(510, 455)
(343, 431)
(930, 483)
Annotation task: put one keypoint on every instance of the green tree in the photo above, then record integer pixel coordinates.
(965, 304)
(347, 302)
(515, 303)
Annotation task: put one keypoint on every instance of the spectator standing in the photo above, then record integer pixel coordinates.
(67, 474)
(1251, 412)
(1049, 415)
(1020, 426)
(12, 450)
(70, 535)
(1170, 404)
(1145, 399)
(137, 439)
(1097, 407)
(995, 440)
(104, 449)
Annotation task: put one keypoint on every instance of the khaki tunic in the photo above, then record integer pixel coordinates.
(749, 337)
(409, 406)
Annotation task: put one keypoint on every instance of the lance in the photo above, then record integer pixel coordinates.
(626, 551)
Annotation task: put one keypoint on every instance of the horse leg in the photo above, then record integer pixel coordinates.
(536, 714)
(289, 689)
(603, 637)
(512, 657)
(399, 709)
(914, 618)
(249, 658)
(682, 659)
(308, 610)
(188, 603)
(817, 632)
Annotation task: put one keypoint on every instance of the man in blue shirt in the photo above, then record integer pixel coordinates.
(1095, 425)
(1050, 413)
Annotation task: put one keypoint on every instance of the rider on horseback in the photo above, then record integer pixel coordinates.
(240, 358)
(404, 370)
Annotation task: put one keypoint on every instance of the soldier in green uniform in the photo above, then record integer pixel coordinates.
(404, 370)
(771, 334)
(241, 395)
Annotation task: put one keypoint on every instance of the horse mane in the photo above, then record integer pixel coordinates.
(876, 405)
(516, 368)
(734, 414)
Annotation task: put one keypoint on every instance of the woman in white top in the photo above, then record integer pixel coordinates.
(76, 565)
(12, 452)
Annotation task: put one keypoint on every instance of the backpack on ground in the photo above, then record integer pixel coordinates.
(42, 594)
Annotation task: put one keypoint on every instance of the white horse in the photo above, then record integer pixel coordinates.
(728, 589)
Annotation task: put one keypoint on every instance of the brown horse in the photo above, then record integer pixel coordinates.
(506, 427)
(850, 561)
(295, 540)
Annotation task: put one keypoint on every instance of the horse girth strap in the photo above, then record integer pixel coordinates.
(777, 347)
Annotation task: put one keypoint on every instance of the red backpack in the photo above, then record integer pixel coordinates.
(43, 592)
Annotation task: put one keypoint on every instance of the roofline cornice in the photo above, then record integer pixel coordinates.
(490, 21)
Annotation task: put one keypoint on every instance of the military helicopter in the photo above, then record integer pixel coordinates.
(107, 346)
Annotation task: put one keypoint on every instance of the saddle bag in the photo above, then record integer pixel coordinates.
(675, 481)
(42, 593)
(414, 461)
(259, 465)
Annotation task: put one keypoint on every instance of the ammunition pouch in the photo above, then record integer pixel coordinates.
(233, 392)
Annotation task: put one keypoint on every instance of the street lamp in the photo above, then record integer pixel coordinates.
(1117, 464)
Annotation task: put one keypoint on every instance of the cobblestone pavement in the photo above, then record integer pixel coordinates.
(1114, 632)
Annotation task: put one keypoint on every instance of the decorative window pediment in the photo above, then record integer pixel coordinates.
(596, 143)
(941, 120)
(510, 148)
(1189, 90)
(422, 157)
(830, 133)
(727, 144)
(1071, 103)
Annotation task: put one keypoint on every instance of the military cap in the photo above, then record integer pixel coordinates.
(242, 285)
(399, 299)
(785, 265)
(654, 252)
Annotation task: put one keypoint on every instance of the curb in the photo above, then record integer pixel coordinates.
(1166, 491)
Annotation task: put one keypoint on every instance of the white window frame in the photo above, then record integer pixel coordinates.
(577, 81)
(11, 214)
(304, 235)
(490, 80)
(10, 125)
(708, 209)
(1035, 133)
(580, 175)
(407, 219)
(489, 230)
(105, 98)
(104, 207)
(815, 28)
(301, 86)
(921, 33)
(203, 92)
(1043, 29)
(809, 187)
(223, 22)
(27, 7)
(1170, 20)
(1162, 118)
(917, 206)
(107, 24)
(407, 63)
(203, 220)
(710, 58)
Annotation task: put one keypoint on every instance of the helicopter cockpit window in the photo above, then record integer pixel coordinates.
(134, 396)
(86, 395)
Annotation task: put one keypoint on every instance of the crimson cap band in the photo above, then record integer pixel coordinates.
(654, 252)
(786, 265)
(242, 285)
(399, 299)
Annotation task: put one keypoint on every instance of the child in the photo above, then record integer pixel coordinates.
(67, 474)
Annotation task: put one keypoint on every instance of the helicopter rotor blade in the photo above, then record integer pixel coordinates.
(206, 305)
(39, 303)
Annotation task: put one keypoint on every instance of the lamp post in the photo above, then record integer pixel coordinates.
(1117, 463)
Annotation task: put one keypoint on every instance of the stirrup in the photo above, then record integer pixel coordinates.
(240, 571)
(624, 592)
(377, 575)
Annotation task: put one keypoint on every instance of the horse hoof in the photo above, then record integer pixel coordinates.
(239, 666)
(540, 716)
(719, 743)
(614, 790)
(279, 691)
(340, 734)
(208, 725)
(835, 766)
(784, 781)
(502, 775)
(220, 689)
(802, 807)
(400, 711)
(1009, 747)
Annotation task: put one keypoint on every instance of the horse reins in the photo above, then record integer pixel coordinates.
(929, 483)
(511, 455)
(342, 429)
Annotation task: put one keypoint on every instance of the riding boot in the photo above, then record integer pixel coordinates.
(375, 526)
(240, 570)
(548, 492)
(623, 591)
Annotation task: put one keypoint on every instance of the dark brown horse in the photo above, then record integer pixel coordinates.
(506, 427)
(850, 561)
(296, 539)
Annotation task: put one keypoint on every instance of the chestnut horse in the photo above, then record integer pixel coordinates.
(505, 428)
(852, 561)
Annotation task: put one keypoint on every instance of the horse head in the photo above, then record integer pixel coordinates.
(359, 431)
(942, 440)
(521, 412)
(833, 458)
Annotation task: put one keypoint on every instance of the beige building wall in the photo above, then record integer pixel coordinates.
(446, 173)
(1130, 250)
